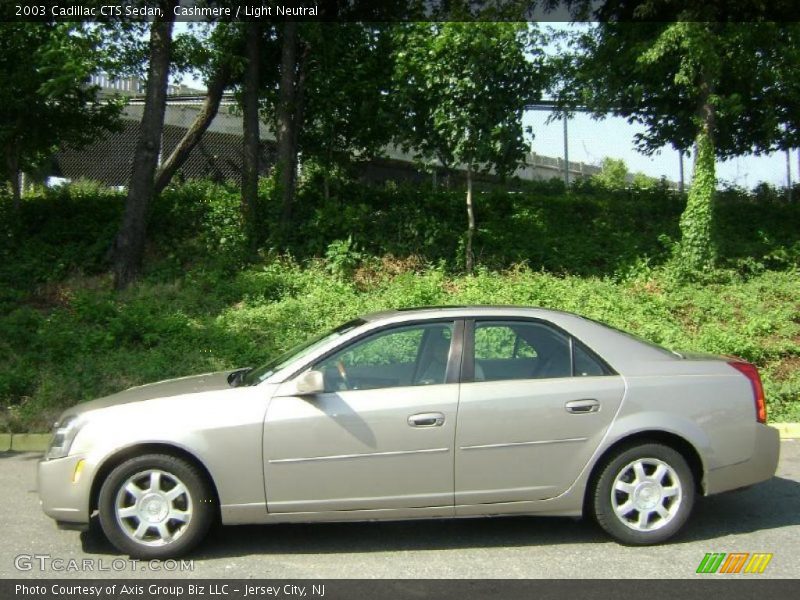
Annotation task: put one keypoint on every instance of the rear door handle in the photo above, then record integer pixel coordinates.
(581, 407)
(433, 419)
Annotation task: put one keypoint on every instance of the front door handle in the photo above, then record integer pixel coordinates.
(582, 407)
(433, 419)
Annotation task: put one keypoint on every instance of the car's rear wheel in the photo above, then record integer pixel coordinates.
(644, 494)
(155, 506)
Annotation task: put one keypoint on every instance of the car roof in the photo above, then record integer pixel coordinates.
(464, 310)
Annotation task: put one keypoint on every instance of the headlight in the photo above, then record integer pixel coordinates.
(64, 433)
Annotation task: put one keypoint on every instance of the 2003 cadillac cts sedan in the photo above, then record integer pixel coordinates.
(433, 412)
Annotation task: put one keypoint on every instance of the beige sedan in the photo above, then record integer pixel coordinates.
(434, 412)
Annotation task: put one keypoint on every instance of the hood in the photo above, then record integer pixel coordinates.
(161, 389)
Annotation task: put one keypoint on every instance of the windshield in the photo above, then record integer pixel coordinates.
(259, 374)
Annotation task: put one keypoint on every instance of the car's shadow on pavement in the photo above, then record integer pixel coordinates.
(332, 538)
(770, 505)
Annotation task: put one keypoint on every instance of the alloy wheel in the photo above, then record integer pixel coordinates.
(153, 507)
(646, 494)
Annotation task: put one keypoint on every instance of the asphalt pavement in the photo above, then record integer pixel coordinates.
(764, 519)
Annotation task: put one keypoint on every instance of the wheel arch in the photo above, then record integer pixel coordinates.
(117, 458)
(671, 440)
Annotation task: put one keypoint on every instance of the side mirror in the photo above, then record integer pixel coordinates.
(235, 377)
(309, 383)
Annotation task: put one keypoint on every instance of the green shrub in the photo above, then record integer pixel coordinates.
(97, 342)
(207, 303)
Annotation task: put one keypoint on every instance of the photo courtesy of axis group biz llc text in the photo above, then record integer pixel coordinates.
(170, 590)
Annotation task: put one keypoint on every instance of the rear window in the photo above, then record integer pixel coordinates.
(638, 338)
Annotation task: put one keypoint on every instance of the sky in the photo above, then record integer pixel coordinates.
(590, 141)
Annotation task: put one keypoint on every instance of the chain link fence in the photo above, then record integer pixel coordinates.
(218, 156)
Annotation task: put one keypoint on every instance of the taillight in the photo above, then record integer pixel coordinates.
(751, 372)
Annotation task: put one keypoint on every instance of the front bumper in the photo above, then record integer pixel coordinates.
(63, 496)
(761, 465)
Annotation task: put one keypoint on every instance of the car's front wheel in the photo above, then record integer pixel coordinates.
(155, 506)
(644, 494)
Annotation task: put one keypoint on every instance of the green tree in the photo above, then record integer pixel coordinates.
(613, 174)
(461, 89)
(330, 101)
(349, 108)
(45, 97)
(646, 182)
(722, 88)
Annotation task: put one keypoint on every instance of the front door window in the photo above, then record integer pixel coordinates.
(398, 357)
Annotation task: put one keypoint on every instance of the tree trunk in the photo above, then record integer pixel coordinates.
(130, 241)
(287, 151)
(216, 87)
(12, 164)
(328, 167)
(697, 247)
(298, 114)
(470, 259)
(250, 123)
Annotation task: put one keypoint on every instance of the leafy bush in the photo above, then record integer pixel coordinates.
(97, 342)
(588, 230)
(206, 302)
(57, 233)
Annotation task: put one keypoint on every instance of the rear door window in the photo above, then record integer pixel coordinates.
(520, 350)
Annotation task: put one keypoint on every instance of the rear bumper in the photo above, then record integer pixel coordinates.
(62, 496)
(760, 467)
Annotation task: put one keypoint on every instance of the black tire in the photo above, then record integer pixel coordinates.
(643, 524)
(164, 536)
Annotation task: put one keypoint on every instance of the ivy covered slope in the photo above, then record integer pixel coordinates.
(206, 302)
